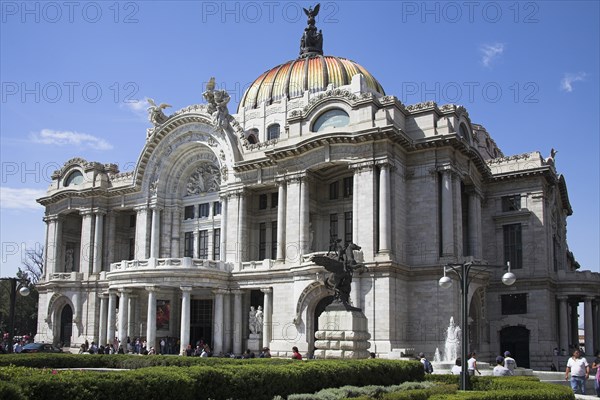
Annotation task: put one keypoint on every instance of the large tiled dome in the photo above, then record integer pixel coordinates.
(313, 73)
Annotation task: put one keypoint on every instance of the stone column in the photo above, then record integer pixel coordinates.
(151, 320)
(98, 238)
(112, 234)
(227, 330)
(281, 198)
(267, 316)
(563, 322)
(123, 310)
(447, 221)
(237, 322)
(304, 216)
(574, 324)
(475, 225)
(155, 233)
(186, 292)
(588, 326)
(595, 317)
(355, 291)
(141, 233)
(131, 317)
(176, 233)
(385, 210)
(53, 246)
(355, 205)
(102, 319)
(218, 321)
(242, 228)
(224, 211)
(196, 243)
(363, 211)
(85, 252)
(112, 307)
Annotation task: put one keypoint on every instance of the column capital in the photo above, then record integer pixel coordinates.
(296, 177)
(142, 207)
(53, 218)
(152, 288)
(85, 212)
(156, 207)
(237, 291)
(362, 166)
(385, 163)
(99, 211)
(268, 290)
(103, 295)
(221, 291)
(185, 288)
(562, 297)
(125, 291)
(589, 298)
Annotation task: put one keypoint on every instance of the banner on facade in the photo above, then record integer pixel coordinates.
(163, 314)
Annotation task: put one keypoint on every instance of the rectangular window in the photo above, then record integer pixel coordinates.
(217, 244)
(131, 249)
(274, 200)
(333, 227)
(203, 245)
(513, 245)
(348, 227)
(217, 208)
(348, 186)
(262, 241)
(203, 210)
(132, 220)
(334, 190)
(188, 244)
(273, 240)
(189, 212)
(511, 203)
(514, 303)
(262, 202)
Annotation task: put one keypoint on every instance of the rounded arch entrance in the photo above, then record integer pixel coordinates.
(65, 326)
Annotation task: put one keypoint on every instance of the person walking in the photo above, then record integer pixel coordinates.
(596, 364)
(580, 371)
(426, 363)
(509, 362)
(472, 364)
(500, 369)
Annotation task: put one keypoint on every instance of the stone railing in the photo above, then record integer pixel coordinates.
(257, 265)
(158, 263)
(65, 276)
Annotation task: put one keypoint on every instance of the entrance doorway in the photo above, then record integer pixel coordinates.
(66, 325)
(201, 322)
(516, 340)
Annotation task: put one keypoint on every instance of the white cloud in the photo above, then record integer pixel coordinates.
(136, 105)
(491, 52)
(22, 199)
(68, 138)
(567, 81)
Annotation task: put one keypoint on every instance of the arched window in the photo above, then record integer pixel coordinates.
(75, 178)
(252, 136)
(334, 118)
(464, 133)
(273, 131)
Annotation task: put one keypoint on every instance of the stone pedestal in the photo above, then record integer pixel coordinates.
(342, 334)
(255, 342)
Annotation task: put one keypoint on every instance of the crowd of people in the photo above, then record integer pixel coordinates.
(17, 344)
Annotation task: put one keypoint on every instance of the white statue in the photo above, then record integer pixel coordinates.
(252, 320)
(259, 320)
(217, 104)
(452, 345)
(156, 116)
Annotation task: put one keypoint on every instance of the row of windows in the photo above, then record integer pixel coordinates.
(333, 227)
(201, 210)
(264, 198)
(202, 245)
(262, 240)
(273, 132)
(348, 187)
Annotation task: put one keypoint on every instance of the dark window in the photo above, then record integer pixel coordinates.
(514, 303)
(333, 227)
(203, 245)
(132, 219)
(252, 136)
(348, 226)
(188, 244)
(348, 186)
(511, 203)
(204, 209)
(262, 241)
(273, 240)
(274, 200)
(131, 249)
(334, 190)
(217, 208)
(217, 244)
(273, 131)
(262, 202)
(513, 245)
(189, 212)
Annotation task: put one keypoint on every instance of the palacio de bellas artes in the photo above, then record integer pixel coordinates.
(220, 231)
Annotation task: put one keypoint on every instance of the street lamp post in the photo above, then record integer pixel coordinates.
(462, 271)
(24, 291)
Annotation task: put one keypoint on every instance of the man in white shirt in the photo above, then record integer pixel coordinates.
(500, 369)
(509, 362)
(580, 371)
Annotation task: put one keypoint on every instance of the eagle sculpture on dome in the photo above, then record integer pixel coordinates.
(312, 41)
(156, 116)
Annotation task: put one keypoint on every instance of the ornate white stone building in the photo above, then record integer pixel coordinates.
(222, 212)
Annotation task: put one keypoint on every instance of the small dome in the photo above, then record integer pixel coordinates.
(313, 73)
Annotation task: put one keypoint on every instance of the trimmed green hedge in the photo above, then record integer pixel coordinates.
(209, 378)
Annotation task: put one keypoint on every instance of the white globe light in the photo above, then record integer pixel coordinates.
(445, 282)
(509, 278)
(24, 291)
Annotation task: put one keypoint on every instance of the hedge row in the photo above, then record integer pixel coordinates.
(249, 379)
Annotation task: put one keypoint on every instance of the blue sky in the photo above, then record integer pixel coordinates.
(74, 76)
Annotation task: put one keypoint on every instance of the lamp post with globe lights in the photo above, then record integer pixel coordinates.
(462, 271)
(24, 291)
